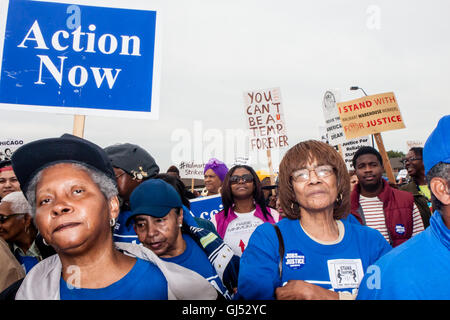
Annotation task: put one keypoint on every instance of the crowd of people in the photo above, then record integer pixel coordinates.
(78, 222)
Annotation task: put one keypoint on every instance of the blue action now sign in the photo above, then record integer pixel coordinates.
(80, 59)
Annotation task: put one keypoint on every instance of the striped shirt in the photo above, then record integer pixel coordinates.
(374, 215)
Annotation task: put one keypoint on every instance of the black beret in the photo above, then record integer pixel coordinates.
(132, 159)
(32, 157)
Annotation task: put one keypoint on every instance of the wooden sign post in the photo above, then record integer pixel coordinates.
(272, 176)
(78, 125)
(385, 157)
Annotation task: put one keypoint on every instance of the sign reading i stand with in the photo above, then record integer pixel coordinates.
(65, 57)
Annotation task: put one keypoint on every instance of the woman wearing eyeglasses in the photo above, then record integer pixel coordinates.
(243, 208)
(319, 255)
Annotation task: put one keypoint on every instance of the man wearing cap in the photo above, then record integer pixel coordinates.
(8, 180)
(132, 165)
(158, 221)
(71, 185)
(419, 269)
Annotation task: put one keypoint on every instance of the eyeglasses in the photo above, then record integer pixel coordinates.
(4, 218)
(303, 175)
(246, 178)
(410, 160)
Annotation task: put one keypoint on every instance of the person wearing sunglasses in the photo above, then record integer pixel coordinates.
(244, 208)
(315, 252)
(413, 163)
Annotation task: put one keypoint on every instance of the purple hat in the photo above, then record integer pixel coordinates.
(219, 168)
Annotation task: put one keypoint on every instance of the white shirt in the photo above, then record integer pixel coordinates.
(239, 231)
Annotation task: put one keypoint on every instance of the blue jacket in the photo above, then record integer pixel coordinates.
(417, 269)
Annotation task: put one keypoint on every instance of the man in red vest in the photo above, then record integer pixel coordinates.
(376, 204)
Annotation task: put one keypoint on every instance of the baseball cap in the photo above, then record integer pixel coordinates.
(133, 159)
(34, 156)
(437, 146)
(155, 198)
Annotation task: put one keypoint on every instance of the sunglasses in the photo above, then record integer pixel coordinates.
(4, 218)
(246, 178)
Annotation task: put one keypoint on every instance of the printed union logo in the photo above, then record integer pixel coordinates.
(400, 229)
(294, 259)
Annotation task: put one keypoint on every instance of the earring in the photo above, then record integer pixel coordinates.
(339, 199)
(112, 222)
(45, 242)
(180, 225)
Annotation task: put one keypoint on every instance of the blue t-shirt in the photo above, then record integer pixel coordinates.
(194, 258)
(337, 267)
(418, 269)
(143, 282)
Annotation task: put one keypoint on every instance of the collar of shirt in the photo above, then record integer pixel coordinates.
(33, 251)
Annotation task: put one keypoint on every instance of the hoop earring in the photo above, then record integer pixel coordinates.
(45, 242)
(112, 222)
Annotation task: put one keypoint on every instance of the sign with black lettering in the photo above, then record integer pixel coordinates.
(80, 59)
(265, 119)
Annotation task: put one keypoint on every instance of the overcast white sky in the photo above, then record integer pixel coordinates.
(213, 51)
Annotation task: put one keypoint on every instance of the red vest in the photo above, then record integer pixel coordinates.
(398, 209)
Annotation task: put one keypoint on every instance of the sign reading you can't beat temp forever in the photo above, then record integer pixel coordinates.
(72, 58)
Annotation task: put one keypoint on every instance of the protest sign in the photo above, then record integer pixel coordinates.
(69, 57)
(191, 170)
(350, 147)
(265, 119)
(370, 115)
(8, 146)
(239, 161)
(414, 144)
(333, 127)
(206, 207)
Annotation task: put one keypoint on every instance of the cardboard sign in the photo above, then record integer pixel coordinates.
(414, 144)
(265, 119)
(8, 146)
(206, 207)
(191, 170)
(370, 115)
(350, 147)
(70, 58)
(333, 126)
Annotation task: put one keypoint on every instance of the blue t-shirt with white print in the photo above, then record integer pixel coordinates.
(337, 267)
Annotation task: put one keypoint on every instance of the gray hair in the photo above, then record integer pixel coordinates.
(440, 170)
(106, 185)
(18, 203)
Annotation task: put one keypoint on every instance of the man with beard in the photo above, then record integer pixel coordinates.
(378, 205)
(418, 184)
